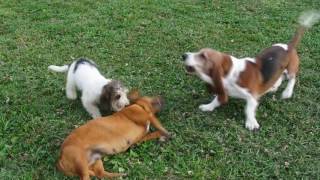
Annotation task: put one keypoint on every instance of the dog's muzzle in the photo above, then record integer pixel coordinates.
(189, 69)
(184, 57)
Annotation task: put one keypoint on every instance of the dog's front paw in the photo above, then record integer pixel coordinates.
(96, 115)
(206, 107)
(72, 95)
(113, 175)
(167, 137)
(286, 95)
(163, 139)
(273, 89)
(252, 125)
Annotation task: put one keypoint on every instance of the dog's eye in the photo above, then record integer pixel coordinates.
(118, 96)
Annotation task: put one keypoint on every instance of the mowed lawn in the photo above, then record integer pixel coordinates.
(140, 43)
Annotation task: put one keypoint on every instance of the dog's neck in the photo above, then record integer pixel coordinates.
(143, 107)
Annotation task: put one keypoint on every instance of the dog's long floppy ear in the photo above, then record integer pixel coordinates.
(105, 97)
(211, 88)
(134, 95)
(216, 73)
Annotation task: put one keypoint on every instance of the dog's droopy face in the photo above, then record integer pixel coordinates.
(114, 96)
(193, 61)
(155, 104)
(202, 61)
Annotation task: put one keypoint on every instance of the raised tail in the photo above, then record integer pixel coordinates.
(54, 68)
(306, 20)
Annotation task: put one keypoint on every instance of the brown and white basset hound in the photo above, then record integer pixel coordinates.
(249, 78)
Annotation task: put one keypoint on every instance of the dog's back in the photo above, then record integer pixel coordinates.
(106, 135)
(274, 60)
(86, 73)
(271, 60)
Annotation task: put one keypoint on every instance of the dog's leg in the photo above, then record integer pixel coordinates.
(73, 162)
(156, 123)
(99, 171)
(92, 109)
(251, 122)
(71, 91)
(287, 93)
(82, 168)
(292, 71)
(150, 136)
(211, 106)
(275, 87)
(85, 177)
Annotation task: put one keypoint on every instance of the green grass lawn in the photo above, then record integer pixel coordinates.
(140, 43)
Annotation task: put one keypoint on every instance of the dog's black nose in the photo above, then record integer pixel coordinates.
(184, 57)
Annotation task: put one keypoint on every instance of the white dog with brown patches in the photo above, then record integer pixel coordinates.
(98, 93)
(249, 78)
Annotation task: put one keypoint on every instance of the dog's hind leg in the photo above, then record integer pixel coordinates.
(99, 171)
(85, 175)
(150, 136)
(81, 165)
(288, 91)
(293, 68)
(71, 90)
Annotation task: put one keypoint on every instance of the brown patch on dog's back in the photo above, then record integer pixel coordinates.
(270, 61)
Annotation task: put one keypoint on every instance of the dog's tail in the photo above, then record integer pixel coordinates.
(306, 20)
(54, 68)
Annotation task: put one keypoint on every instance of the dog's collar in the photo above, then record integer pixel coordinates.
(141, 107)
(158, 102)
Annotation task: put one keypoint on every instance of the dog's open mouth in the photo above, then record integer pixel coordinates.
(190, 69)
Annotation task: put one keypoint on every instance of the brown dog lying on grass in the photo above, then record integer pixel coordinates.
(82, 150)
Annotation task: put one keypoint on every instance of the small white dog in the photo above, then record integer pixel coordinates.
(97, 91)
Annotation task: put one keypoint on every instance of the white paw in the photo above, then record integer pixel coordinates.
(286, 95)
(206, 107)
(273, 89)
(71, 95)
(163, 139)
(252, 125)
(94, 116)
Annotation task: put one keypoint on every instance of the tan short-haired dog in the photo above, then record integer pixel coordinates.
(249, 78)
(82, 150)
